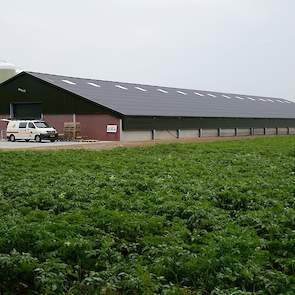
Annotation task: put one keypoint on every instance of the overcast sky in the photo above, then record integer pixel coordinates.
(240, 46)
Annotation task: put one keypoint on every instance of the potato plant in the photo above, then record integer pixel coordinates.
(198, 218)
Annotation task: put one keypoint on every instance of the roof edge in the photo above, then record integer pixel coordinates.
(13, 78)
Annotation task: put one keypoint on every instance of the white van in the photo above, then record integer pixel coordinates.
(30, 130)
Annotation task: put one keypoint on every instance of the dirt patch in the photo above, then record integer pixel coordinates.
(113, 144)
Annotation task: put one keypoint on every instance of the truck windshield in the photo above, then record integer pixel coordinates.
(42, 125)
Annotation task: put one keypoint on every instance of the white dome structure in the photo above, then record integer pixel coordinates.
(7, 70)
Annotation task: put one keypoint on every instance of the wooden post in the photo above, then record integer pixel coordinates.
(288, 131)
(264, 131)
(219, 132)
(277, 131)
(236, 131)
(178, 133)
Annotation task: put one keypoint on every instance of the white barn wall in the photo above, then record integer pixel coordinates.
(193, 133)
(243, 131)
(136, 135)
(271, 131)
(282, 131)
(209, 132)
(146, 135)
(227, 132)
(165, 134)
(258, 131)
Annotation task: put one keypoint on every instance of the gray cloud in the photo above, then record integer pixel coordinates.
(244, 46)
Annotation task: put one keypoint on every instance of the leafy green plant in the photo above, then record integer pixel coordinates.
(203, 218)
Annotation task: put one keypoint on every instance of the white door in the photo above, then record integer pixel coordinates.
(31, 130)
(22, 132)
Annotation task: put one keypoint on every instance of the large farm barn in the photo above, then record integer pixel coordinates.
(114, 111)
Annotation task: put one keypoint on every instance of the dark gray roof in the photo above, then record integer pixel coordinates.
(145, 100)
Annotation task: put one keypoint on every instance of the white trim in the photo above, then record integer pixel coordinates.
(161, 90)
(68, 82)
(212, 95)
(180, 92)
(141, 89)
(121, 87)
(200, 94)
(93, 84)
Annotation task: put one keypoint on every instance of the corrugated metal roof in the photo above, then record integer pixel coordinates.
(146, 100)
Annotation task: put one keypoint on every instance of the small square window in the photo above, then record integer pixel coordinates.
(22, 125)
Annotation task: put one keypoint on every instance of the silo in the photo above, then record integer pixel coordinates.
(7, 70)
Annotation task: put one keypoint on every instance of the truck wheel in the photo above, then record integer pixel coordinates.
(52, 140)
(38, 138)
(11, 137)
(27, 140)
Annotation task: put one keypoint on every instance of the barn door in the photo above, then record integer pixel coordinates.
(26, 110)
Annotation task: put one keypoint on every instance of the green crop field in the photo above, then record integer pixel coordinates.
(206, 218)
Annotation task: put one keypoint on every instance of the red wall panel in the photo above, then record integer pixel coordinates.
(95, 126)
(57, 121)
